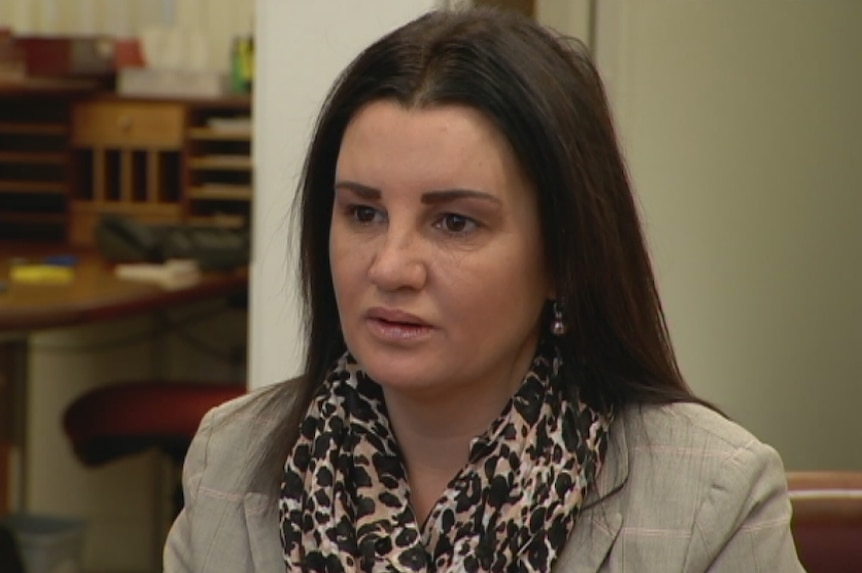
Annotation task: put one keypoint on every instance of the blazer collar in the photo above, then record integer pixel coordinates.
(600, 518)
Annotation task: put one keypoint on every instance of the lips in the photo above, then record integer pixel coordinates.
(396, 326)
(396, 317)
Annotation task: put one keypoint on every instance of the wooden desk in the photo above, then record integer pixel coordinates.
(94, 295)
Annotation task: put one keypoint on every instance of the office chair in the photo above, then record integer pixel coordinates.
(827, 520)
(119, 420)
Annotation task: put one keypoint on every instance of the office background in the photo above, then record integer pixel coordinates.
(741, 125)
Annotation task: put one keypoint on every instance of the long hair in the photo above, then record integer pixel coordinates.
(545, 96)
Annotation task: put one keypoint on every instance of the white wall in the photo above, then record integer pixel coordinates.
(742, 125)
(300, 48)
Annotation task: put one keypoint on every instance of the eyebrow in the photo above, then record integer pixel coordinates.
(428, 197)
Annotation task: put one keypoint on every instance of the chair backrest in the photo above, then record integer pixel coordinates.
(827, 520)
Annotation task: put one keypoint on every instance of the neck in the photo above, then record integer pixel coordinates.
(437, 432)
(434, 428)
(434, 440)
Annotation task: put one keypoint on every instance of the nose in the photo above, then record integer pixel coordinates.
(398, 262)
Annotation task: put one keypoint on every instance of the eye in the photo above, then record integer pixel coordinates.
(363, 213)
(456, 224)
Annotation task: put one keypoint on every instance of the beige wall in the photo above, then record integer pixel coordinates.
(570, 17)
(119, 17)
(218, 21)
(742, 124)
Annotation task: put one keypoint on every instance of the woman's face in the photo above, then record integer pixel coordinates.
(436, 251)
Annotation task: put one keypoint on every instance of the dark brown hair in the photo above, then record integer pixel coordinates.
(545, 96)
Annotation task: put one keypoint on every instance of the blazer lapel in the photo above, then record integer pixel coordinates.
(261, 516)
(600, 519)
(590, 543)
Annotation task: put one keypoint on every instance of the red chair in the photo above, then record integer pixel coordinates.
(827, 520)
(115, 421)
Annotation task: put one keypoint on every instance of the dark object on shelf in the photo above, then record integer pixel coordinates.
(10, 556)
(68, 56)
(124, 240)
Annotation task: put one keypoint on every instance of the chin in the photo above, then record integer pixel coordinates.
(396, 373)
(390, 377)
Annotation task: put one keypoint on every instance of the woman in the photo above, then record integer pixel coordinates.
(490, 385)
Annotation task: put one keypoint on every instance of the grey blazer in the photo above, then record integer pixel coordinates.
(682, 489)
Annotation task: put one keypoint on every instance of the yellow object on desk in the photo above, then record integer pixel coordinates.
(41, 274)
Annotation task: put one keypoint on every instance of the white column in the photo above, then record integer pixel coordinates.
(300, 48)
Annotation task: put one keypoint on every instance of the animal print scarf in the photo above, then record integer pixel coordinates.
(345, 498)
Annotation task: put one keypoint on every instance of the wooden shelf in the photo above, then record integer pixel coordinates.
(222, 162)
(58, 187)
(34, 218)
(221, 192)
(222, 221)
(218, 166)
(33, 128)
(210, 134)
(36, 166)
(34, 157)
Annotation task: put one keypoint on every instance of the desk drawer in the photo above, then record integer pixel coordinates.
(128, 124)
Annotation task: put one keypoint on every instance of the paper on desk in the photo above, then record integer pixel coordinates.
(171, 275)
(41, 274)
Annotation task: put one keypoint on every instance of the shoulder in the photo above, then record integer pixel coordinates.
(233, 437)
(684, 486)
(253, 413)
(256, 408)
(685, 454)
(676, 428)
(229, 519)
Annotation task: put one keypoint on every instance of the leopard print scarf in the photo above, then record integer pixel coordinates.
(344, 502)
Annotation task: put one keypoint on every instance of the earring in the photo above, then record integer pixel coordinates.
(558, 325)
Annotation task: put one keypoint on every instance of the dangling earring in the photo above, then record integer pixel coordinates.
(558, 325)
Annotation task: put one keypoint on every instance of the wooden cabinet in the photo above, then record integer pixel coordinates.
(34, 166)
(129, 124)
(160, 161)
(219, 184)
(127, 158)
(67, 157)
